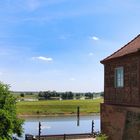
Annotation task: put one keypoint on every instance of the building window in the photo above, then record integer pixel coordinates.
(119, 77)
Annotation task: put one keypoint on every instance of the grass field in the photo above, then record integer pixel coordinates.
(63, 107)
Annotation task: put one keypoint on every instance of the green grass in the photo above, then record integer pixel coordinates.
(58, 107)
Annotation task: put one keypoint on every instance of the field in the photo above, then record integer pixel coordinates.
(64, 107)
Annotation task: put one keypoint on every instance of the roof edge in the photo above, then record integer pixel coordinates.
(107, 58)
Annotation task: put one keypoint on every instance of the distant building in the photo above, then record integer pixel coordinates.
(120, 112)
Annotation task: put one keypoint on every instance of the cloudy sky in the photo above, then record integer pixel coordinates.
(58, 44)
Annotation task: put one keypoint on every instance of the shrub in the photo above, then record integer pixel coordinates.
(101, 137)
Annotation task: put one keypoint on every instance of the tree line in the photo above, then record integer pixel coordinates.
(50, 95)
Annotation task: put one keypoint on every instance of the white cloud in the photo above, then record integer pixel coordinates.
(33, 4)
(43, 58)
(90, 54)
(63, 37)
(94, 38)
(72, 79)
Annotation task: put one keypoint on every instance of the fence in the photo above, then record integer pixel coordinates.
(61, 136)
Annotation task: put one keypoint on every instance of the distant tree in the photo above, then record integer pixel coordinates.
(102, 94)
(70, 95)
(48, 94)
(29, 93)
(9, 123)
(77, 95)
(22, 94)
(63, 96)
(40, 94)
(89, 95)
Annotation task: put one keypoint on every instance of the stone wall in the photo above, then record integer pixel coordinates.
(120, 122)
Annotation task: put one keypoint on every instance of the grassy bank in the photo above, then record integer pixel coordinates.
(63, 107)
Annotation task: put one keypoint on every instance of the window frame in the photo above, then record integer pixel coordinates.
(119, 79)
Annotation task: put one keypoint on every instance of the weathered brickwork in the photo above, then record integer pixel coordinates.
(130, 93)
(120, 122)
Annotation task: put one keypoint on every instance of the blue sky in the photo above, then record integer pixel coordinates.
(58, 44)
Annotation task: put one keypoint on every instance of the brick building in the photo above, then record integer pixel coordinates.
(120, 112)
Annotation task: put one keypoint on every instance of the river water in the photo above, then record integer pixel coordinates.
(60, 125)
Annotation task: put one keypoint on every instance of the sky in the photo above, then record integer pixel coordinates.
(58, 44)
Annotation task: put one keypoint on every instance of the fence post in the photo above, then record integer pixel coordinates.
(39, 130)
(25, 137)
(92, 128)
(78, 115)
(64, 136)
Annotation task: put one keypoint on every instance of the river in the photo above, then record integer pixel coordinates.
(60, 125)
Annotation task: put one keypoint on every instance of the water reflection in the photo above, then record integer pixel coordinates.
(60, 125)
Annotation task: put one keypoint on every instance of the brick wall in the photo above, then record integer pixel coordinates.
(120, 122)
(130, 93)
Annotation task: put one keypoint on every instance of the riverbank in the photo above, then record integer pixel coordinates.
(56, 115)
(58, 108)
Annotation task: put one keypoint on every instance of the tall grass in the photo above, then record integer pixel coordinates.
(51, 107)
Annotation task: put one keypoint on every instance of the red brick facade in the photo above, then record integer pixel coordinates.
(120, 112)
(130, 93)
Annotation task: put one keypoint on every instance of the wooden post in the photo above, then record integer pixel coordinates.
(78, 116)
(64, 136)
(25, 137)
(92, 128)
(39, 130)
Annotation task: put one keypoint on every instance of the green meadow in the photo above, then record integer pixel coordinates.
(56, 107)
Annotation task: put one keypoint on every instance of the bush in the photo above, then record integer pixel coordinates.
(101, 137)
(9, 122)
(22, 95)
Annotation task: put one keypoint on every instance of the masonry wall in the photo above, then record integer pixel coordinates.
(130, 93)
(120, 122)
